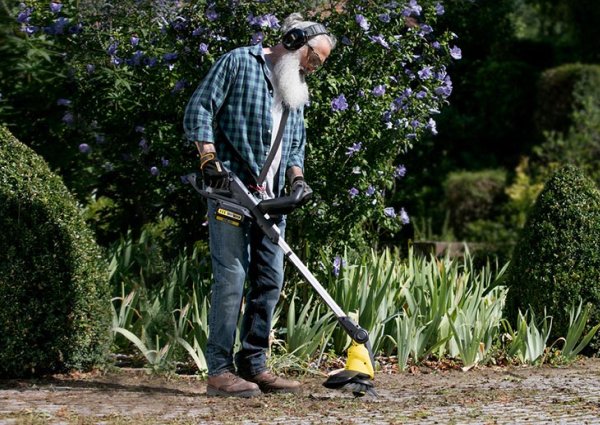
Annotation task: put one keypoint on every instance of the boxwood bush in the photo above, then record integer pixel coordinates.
(472, 196)
(557, 259)
(557, 94)
(54, 299)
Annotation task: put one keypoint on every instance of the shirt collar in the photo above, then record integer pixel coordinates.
(257, 52)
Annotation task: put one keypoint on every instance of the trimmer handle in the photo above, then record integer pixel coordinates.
(286, 204)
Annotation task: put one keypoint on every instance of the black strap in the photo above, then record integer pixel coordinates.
(263, 173)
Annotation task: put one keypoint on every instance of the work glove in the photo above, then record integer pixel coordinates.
(213, 171)
(306, 190)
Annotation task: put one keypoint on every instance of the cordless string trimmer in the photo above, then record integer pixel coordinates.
(238, 204)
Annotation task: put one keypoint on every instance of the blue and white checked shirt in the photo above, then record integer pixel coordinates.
(232, 108)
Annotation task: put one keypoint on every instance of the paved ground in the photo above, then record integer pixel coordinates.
(524, 395)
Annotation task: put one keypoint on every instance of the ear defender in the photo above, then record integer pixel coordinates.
(298, 37)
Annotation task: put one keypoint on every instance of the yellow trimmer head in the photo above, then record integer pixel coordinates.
(358, 374)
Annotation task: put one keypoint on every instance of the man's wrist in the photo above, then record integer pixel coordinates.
(205, 147)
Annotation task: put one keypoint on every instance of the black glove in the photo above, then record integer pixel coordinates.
(306, 190)
(213, 171)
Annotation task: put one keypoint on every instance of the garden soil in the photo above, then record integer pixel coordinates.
(484, 395)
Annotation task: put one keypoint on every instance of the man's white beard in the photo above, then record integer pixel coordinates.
(289, 82)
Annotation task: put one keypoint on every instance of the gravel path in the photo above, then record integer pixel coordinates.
(525, 395)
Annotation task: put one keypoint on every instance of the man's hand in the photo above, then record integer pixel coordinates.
(306, 190)
(213, 171)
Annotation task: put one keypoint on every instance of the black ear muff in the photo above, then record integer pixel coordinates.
(296, 37)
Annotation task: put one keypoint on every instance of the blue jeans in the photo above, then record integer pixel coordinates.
(238, 253)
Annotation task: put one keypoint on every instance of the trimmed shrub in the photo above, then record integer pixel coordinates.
(557, 259)
(54, 298)
(473, 195)
(557, 99)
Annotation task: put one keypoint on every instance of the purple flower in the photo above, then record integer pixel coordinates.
(170, 57)
(354, 148)
(400, 171)
(384, 17)
(370, 191)
(59, 25)
(431, 125)
(143, 145)
(63, 102)
(257, 37)
(389, 212)
(425, 73)
(339, 103)
(164, 161)
(85, 148)
(154, 171)
(116, 61)
(55, 7)
(90, 68)
(179, 85)
(151, 62)
(362, 22)
(439, 9)
(426, 29)
(29, 29)
(353, 192)
(422, 94)
(404, 216)
(378, 39)
(134, 40)
(338, 263)
(112, 49)
(456, 53)
(212, 15)
(263, 21)
(24, 16)
(346, 41)
(413, 8)
(378, 90)
(203, 48)
(140, 129)
(415, 123)
(68, 118)
(197, 31)
(136, 59)
(436, 45)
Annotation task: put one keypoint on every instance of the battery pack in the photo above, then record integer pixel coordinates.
(231, 213)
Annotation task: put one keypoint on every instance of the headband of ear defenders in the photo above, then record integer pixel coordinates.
(298, 37)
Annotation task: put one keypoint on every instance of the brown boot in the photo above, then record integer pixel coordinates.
(227, 384)
(270, 383)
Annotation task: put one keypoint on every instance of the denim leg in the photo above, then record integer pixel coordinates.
(266, 281)
(230, 250)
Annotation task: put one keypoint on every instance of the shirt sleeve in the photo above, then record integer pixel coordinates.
(296, 157)
(208, 99)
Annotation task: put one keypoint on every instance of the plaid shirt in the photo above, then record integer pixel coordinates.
(232, 108)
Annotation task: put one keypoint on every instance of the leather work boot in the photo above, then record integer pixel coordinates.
(271, 383)
(227, 384)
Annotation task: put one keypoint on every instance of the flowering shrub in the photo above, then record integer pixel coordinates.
(130, 67)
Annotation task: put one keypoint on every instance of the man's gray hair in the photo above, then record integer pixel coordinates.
(295, 20)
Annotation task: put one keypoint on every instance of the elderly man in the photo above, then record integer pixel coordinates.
(234, 117)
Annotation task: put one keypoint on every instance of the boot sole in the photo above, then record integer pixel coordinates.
(213, 392)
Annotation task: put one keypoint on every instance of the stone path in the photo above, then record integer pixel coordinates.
(546, 395)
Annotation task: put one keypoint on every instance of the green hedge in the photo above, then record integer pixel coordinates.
(557, 89)
(473, 195)
(54, 298)
(557, 259)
